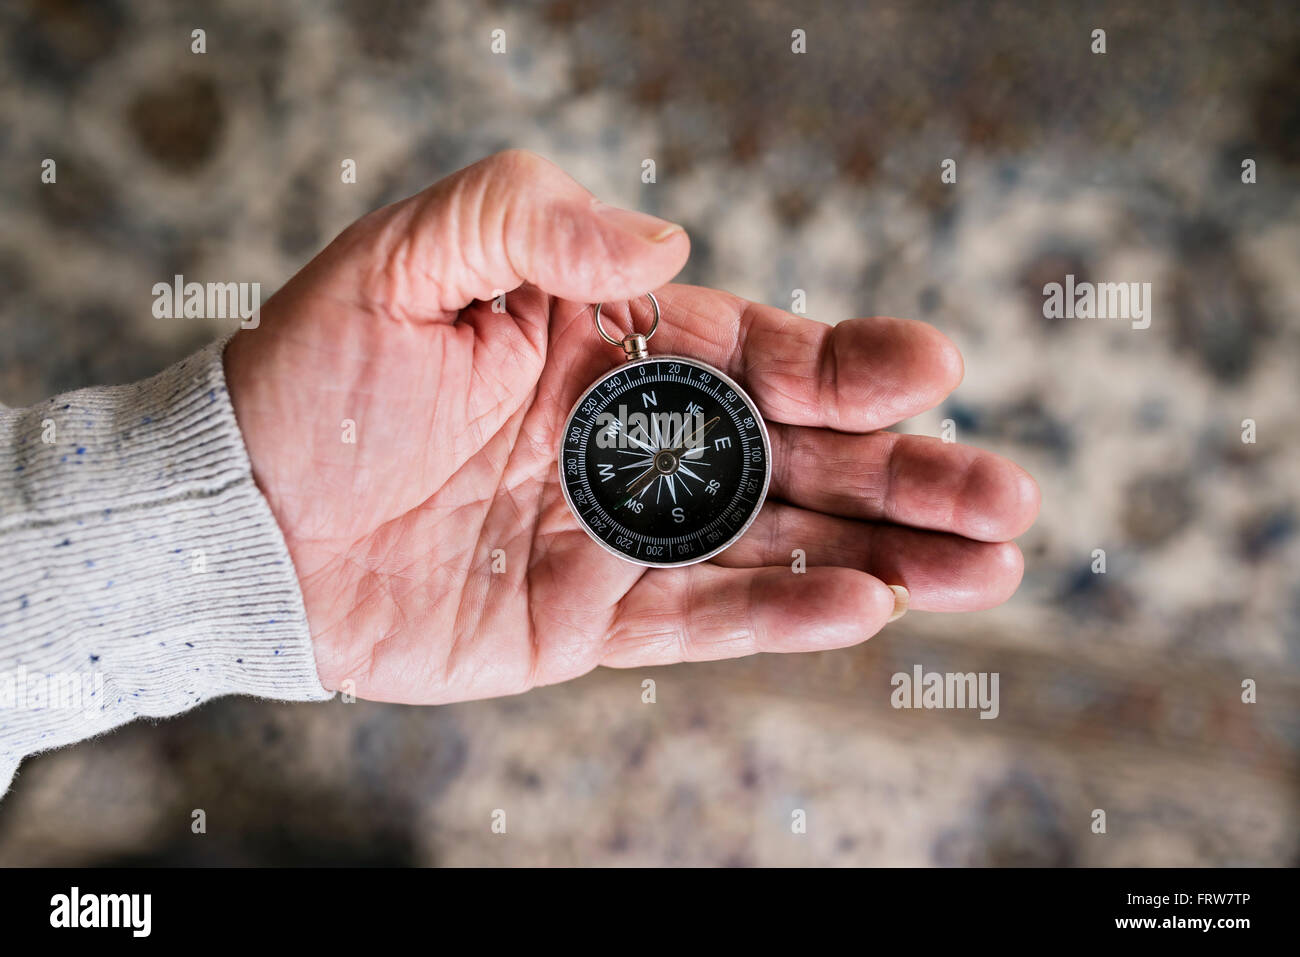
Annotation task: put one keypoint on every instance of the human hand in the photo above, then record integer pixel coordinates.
(458, 414)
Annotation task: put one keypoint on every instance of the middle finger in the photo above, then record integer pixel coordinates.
(909, 479)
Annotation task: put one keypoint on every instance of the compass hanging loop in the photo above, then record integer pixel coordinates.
(634, 343)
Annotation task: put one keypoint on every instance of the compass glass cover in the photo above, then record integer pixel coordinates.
(665, 461)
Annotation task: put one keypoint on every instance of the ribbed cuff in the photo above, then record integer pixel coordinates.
(137, 554)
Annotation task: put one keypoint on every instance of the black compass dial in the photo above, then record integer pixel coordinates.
(665, 461)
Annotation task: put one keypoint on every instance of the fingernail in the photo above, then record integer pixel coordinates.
(648, 227)
(901, 599)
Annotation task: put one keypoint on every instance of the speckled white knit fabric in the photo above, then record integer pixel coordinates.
(141, 571)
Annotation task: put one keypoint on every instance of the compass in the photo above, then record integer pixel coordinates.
(665, 459)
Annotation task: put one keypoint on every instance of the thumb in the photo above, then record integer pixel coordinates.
(513, 218)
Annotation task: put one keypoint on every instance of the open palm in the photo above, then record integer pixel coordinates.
(390, 337)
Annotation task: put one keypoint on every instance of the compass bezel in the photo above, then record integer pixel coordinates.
(734, 386)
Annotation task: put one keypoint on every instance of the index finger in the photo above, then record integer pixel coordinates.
(856, 376)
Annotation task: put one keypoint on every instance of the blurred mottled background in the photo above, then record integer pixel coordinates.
(818, 172)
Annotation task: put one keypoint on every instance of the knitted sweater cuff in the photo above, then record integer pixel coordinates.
(141, 570)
